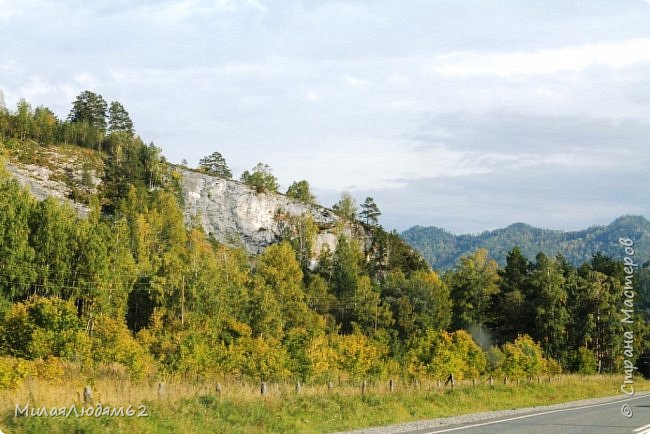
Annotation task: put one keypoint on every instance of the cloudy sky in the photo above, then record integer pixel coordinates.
(463, 114)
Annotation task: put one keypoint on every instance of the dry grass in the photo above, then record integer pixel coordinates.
(195, 406)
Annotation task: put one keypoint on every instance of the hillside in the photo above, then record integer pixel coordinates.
(442, 249)
(229, 211)
(161, 272)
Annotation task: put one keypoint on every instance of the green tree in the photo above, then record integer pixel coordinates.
(91, 108)
(345, 272)
(16, 252)
(512, 311)
(300, 190)
(215, 164)
(301, 232)
(550, 301)
(370, 211)
(472, 283)
(346, 207)
(261, 179)
(24, 119)
(419, 302)
(44, 125)
(119, 120)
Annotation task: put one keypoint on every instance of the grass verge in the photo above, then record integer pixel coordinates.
(186, 407)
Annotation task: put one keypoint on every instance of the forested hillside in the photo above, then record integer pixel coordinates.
(442, 249)
(133, 287)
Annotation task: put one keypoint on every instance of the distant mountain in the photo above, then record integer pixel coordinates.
(442, 249)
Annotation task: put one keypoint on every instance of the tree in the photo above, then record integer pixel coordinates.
(523, 357)
(119, 120)
(473, 282)
(261, 179)
(215, 164)
(44, 125)
(301, 232)
(439, 353)
(24, 118)
(369, 211)
(419, 302)
(346, 207)
(89, 107)
(512, 311)
(300, 190)
(550, 301)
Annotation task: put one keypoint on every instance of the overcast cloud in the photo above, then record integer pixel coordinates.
(468, 115)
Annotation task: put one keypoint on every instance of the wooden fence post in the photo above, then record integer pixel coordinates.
(364, 385)
(263, 388)
(491, 380)
(88, 394)
(219, 389)
(391, 386)
(161, 390)
(298, 388)
(450, 380)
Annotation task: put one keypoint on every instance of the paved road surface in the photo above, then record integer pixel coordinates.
(604, 418)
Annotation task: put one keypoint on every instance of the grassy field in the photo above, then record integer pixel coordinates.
(185, 407)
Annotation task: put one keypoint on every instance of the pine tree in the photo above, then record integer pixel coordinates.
(89, 107)
(215, 164)
(119, 120)
(370, 211)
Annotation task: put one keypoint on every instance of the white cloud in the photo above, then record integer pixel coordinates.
(288, 83)
(569, 59)
(357, 82)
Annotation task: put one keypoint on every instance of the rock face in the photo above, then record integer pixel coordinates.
(228, 210)
(37, 180)
(235, 214)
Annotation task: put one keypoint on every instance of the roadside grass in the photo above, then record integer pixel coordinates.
(196, 407)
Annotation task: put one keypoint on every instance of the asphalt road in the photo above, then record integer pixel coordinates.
(605, 418)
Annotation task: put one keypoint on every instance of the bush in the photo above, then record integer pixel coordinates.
(13, 371)
(440, 353)
(586, 361)
(112, 343)
(524, 357)
(42, 327)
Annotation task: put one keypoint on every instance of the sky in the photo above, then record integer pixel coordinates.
(463, 114)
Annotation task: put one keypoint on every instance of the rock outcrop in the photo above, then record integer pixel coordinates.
(228, 210)
(233, 213)
(37, 180)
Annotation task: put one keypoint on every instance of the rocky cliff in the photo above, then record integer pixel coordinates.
(228, 210)
(235, 214)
